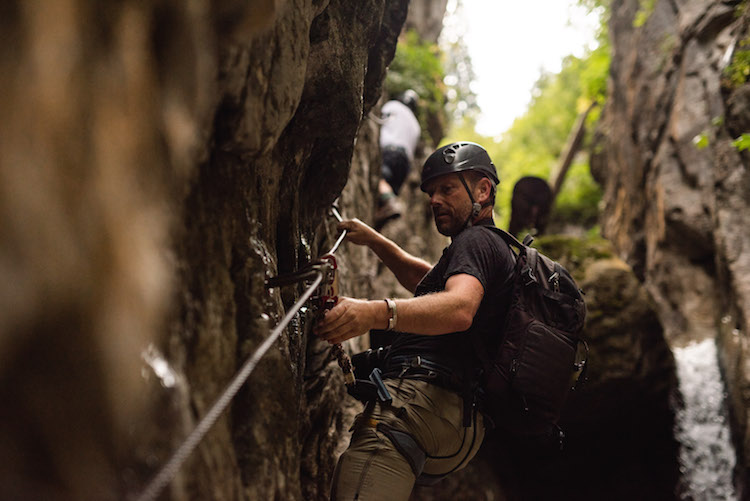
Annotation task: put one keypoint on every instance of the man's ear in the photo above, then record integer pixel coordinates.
(484, 189)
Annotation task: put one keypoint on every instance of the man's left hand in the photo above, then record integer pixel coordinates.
(349, 318)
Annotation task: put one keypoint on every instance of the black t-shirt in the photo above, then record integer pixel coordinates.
(480, 252)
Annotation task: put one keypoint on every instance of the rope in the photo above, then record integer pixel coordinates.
(169, 470)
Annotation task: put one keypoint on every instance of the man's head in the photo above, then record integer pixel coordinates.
(461, 181)
(410, 98)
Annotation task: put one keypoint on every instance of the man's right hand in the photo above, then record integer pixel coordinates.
(358, 232)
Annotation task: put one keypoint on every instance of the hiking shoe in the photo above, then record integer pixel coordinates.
(388, 210)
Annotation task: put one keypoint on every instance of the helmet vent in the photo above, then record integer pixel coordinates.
(449, 155)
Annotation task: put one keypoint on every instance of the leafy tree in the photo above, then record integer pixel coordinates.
(535, 141)
(461, 101)
(442, 77)
(418, 65)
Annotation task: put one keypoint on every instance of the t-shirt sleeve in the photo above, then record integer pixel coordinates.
(477, 252)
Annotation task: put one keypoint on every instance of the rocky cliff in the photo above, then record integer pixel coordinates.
(676, 188)
(159, 161)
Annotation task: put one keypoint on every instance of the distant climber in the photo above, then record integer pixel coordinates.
(399, 135)
(530, 206)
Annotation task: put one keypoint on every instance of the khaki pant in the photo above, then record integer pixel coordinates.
(372, 469)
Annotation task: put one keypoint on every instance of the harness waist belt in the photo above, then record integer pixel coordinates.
(418, 367)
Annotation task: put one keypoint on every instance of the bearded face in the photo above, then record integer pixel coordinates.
(451, 206)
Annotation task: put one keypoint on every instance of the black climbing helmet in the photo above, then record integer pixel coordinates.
(410, 98)
(458, 157)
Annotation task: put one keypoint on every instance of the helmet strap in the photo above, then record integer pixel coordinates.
(476, 207)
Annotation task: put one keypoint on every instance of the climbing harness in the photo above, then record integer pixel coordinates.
(322, 274)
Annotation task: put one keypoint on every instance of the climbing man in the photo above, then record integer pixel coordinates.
(399, 135)
(431, 425)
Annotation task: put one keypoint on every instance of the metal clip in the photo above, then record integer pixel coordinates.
(376, 377)
(554, 279)
(528, 274)
(414, 363)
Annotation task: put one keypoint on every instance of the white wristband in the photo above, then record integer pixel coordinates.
(393, 318)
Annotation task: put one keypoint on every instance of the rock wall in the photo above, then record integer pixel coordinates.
(426, 18)
(676, 190)
(159, 161)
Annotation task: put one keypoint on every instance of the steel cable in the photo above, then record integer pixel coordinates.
(170, 469)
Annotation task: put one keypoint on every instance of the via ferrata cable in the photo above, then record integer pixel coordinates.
(316, 272)
(169, 470)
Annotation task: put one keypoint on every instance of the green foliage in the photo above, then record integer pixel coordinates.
(741, 8)
(738, 71)
(418, 65)
(461, 103)
(594, 73)
(603, 8)
(576, 254)
(701, 141)
(533, 144)
(578, 201)
(742, 143)
(645, 9)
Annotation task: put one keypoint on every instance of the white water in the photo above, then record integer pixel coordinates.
(707, 456)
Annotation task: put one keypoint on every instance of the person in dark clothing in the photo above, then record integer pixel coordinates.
(432, 426)
(530, 205)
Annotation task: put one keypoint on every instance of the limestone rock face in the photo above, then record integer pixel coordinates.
(677, 192)
(159, 161)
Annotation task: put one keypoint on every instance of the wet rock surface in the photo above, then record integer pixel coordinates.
(162, 161)
(676, 190)
(159, 162)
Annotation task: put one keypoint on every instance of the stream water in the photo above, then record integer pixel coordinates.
(707, 456)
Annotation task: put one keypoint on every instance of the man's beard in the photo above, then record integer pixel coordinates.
(451, 225)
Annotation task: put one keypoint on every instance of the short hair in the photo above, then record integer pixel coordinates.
(476, 176)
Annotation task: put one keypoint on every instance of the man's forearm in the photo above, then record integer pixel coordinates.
(433, 314)
(408, 269)
(451, 310)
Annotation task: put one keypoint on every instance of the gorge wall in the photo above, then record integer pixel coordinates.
(677, 191)
(159, 161)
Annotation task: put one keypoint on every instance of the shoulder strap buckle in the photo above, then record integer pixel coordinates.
(528, 275)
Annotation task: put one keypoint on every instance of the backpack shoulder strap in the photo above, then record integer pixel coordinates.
(509, 239)
(477, 341)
